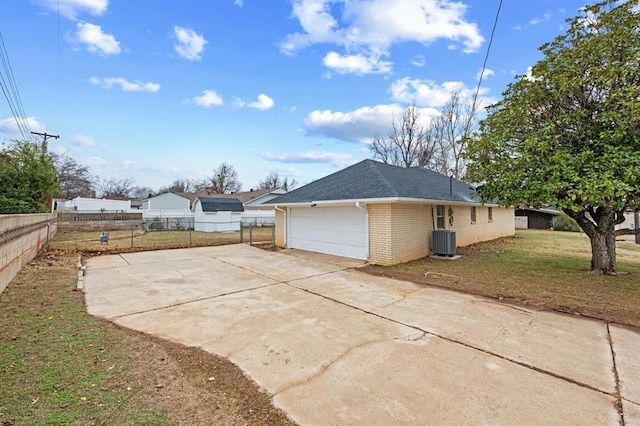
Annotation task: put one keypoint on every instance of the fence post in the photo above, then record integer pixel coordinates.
(273, 235)
(132, 225)
(190, 241)
(241, 232)
(251, 234)
(48, 233)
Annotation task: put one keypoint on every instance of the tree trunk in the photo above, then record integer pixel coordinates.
(603, 253)
(600, 228)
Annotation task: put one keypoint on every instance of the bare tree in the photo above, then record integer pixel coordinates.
(117, 188)
(225, 180)
(409, 142)
(273, 181)
(142, 192)
(74, 178)
(452, 129)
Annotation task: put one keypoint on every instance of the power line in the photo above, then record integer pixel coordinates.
(11, 93)
(486, 56)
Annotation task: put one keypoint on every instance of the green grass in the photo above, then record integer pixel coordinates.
(543, 269)
(58, 365)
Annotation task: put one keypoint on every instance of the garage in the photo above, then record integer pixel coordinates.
(341, 231)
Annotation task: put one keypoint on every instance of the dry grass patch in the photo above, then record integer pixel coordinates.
(61, 366)
(541, 269)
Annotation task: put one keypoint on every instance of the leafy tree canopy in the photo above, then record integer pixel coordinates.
(27, 178)
(568, 134)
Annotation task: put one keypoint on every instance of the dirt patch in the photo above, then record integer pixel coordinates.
(59, 365)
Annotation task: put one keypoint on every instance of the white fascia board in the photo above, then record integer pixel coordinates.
(382, 201)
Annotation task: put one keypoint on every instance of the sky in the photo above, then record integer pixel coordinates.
(156, 90)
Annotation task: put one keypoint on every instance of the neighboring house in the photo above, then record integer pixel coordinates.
(254, 210)
(384, 214)
(92, 205)
(217, 214)
(527, 218)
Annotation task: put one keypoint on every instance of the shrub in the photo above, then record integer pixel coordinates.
(562, 222)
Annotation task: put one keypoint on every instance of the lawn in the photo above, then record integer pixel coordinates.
(541, 269)
(61, 366)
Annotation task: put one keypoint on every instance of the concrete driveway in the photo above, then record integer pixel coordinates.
(337, 346)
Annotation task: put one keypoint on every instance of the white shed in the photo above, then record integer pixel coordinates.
(215, 214)
(168, 201)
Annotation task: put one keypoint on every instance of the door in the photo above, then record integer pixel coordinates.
(341, 231)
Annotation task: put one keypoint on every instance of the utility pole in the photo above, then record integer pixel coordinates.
(45, 136)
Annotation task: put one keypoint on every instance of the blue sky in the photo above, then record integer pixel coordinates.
(155, 90)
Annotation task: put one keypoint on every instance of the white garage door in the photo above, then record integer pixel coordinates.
(341, 231)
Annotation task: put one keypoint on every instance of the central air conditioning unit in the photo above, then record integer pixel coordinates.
(444, 243)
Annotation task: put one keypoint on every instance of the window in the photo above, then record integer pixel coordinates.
(473, 215)
(490, 214)
(440, 217)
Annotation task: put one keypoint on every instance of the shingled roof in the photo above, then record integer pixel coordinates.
(218, 204)
(370, 179)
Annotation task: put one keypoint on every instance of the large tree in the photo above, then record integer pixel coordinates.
(274, 181)
(27, 178)
(568, 134)
(451, 130)
(117, 188)
(184, 185)
(410, 142)
(74, 178)
(225, 179)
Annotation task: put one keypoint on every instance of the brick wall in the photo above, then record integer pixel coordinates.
(98, 221)
(467, 233)
(399, 232)
(21, 238)
(279, 220)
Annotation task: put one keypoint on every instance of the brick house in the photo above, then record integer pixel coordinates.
(384, 214)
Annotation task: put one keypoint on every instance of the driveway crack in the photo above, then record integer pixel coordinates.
(194, 300)
(326, 366)
(618, 396)
(470, 346)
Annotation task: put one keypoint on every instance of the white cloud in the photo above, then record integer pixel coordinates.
(190, 44)
(9, 125)
(322, 157)
(356, 64)
(127, 86)
(418, 61)
(70, 9)
(264, 102)
(95, 40)
(208, 98)
(545, 17)
(96, 161)
(424, 92)
(83, 140)
(430, 95)
(487, 73)
(357, 126)
(367, 29)
(238, 3)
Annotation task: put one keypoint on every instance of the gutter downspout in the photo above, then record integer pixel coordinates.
(284, 231)
(366, 230)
